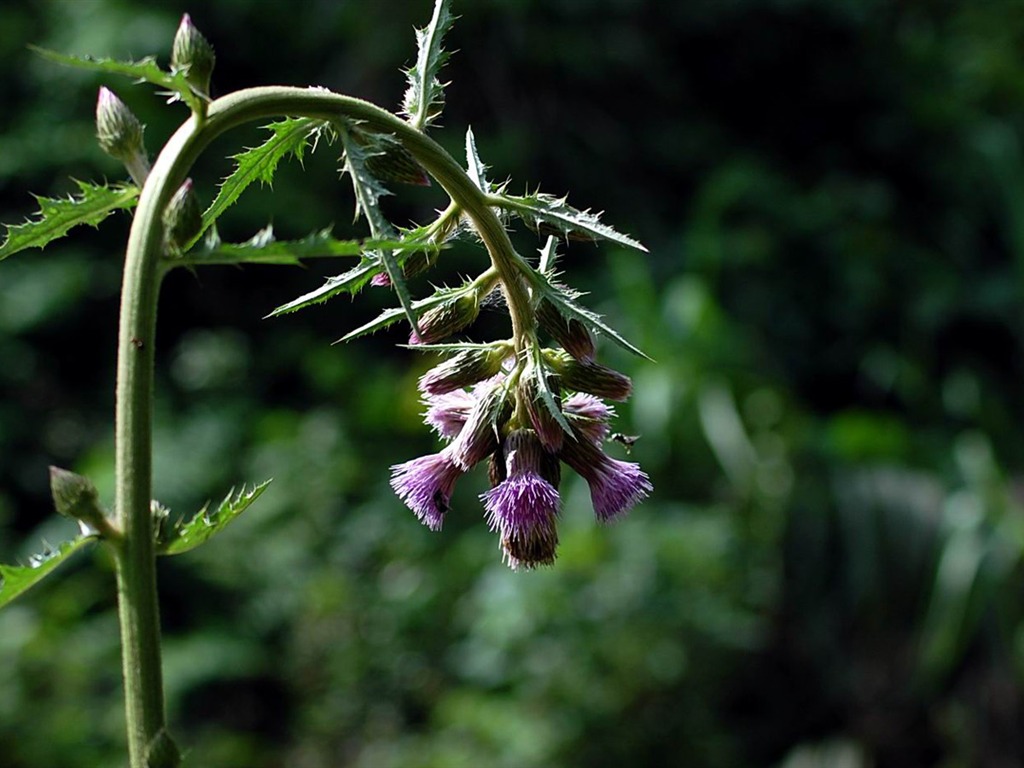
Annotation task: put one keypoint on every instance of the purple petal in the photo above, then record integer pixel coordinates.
(589, 415)
(523, 510)
(447, 413)
(616, 487)
(425, 485)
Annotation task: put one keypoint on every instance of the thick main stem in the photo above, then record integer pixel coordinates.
(135, 552)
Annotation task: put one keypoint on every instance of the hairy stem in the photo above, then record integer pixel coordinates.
(135, 554)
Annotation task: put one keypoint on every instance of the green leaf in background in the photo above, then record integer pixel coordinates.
(17, 579)
(424, 98)
(144, 70)
(290, 137)
(92, 204)
(545, 213)
(187, 536)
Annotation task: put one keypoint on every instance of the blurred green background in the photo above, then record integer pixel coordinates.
(829, 572)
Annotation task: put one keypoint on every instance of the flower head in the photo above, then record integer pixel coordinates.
(425, 485)
(447, 413)
(192, 54)
(478, 437)
(119, 134)
(523, 508)
(569, 332)
(615, 486)
(589, 415)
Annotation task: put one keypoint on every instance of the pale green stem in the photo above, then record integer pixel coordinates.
(135, 554)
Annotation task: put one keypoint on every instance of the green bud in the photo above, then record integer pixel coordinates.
(588, 376)
(183, 219)
(162, 752)
(390, 161)
(193, 55)
(478, 437)
(119, 134)
(569, 332)
(76, 497)
(548, 430)
(464, 369)
(442, 321)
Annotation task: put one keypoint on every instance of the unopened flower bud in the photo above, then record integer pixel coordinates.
(76, 497)
(193, 55)
(183, 219)
(464, 369)
(569, 332)
(119, 134)
(442, 321)
(523, 507)
(588, 415)
(542, 419)
(416, 264)
(395, 163)
(589, 376)
(478, 437)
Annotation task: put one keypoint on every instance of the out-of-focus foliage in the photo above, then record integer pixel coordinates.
(829, 572)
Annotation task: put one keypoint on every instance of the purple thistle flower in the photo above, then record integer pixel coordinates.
(523, 508)
(446, 414)
(381, 280)
(615, 485)
(589, 415)
(425, 484)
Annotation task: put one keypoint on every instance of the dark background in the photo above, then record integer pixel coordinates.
(829, 571)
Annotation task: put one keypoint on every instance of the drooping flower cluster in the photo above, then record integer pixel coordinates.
(487, 402)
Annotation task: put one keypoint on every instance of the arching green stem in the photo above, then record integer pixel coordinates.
(134, 553)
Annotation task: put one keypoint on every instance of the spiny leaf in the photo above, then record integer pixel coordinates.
(144, 70)
(564, 300)
(352, 281)
(545, 213)
(290, 137)
(424, 98)
(264, 248)
(17, 579)
(92, 204)
(544, 388)
(477, 170)
(201, 528)
(348, 282)
(368, 191)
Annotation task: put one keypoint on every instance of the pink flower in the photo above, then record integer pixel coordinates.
(523, 508)
(615, 486)
(425, 485)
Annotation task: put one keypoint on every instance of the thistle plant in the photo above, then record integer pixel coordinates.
(525, 405)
